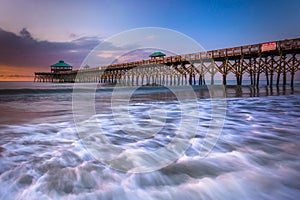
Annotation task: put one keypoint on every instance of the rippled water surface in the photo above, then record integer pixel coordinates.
(257, 155)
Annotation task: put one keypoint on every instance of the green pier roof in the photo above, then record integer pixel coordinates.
(157, 54)
(61, 63)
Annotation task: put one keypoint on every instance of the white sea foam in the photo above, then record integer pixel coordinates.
(256, 157)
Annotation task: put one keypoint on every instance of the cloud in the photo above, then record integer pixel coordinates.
(25, 34)
(21, 55)
(140, 54)
(25, 51)
(73, 35)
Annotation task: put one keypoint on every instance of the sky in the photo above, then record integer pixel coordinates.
(37, 33)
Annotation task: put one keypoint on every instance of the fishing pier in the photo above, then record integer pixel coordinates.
(276, 62)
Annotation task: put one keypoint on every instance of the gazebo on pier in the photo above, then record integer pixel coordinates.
(61, 66)
(156, 55)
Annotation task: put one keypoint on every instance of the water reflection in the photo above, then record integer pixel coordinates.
(252, 91)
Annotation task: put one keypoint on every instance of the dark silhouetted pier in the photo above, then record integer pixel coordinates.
(274, 62)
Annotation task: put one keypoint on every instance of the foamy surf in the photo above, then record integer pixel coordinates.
(256, 156)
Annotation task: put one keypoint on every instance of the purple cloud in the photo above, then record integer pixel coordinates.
(24, 51)
(25, 34)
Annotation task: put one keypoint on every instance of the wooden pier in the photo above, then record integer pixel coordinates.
(274, 62)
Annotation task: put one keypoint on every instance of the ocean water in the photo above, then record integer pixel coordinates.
(45, 154)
